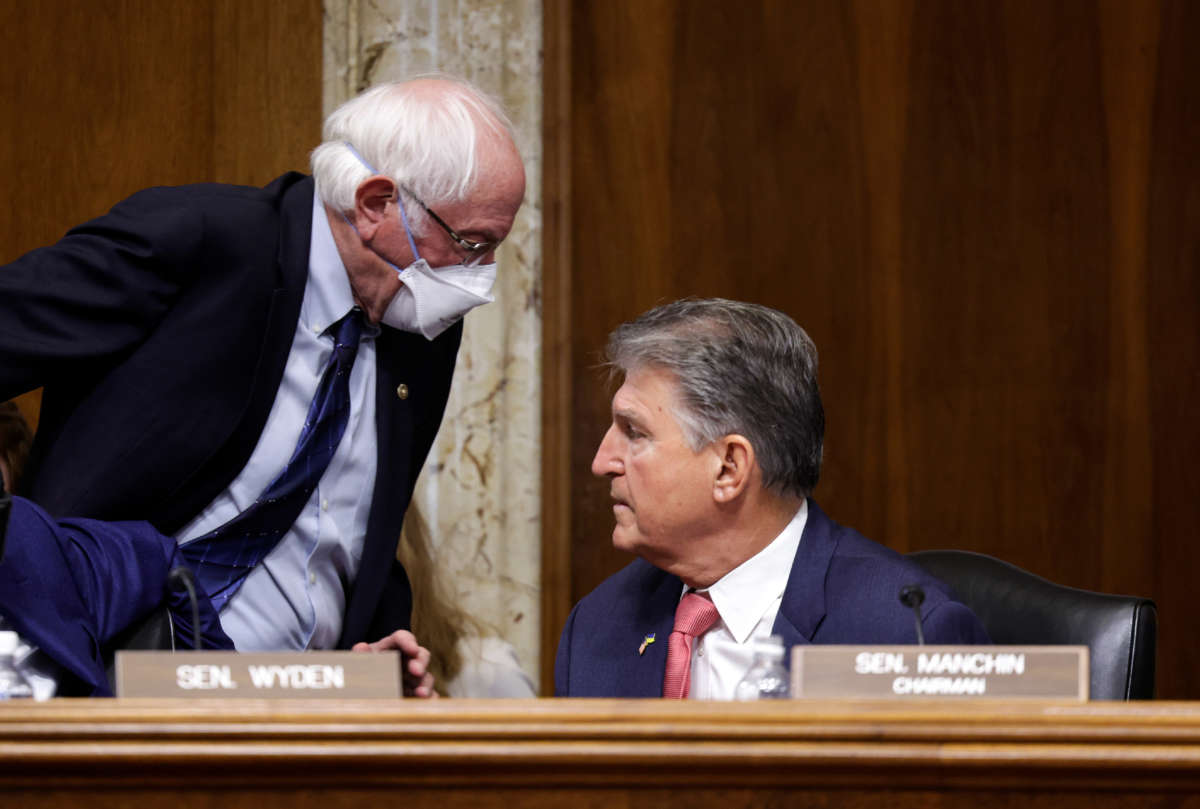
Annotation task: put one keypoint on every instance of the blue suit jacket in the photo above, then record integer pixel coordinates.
(843, 588)
(160, 333)
(70, 587)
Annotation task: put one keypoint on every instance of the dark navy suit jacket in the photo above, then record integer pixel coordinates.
(160, 333)
(70, 587)
(843, 588)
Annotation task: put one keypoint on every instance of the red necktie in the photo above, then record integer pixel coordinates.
(693, 617)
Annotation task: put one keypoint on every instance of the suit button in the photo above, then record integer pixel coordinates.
(402, 391)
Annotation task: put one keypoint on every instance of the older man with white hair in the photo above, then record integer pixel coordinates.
(260, 373)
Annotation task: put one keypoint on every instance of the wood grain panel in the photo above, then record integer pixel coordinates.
(104, 98)
(266, 88)
(637, 753)
(557, 356)
(1005, 262)
(1172, 282)
(986, 216)
(101, 101)
(115, 96)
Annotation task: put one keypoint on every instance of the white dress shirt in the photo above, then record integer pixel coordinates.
(296, 597)
(748, 599)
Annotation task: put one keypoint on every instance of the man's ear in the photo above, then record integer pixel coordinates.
(737, 461)
(371, 199)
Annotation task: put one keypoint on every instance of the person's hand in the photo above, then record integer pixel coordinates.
(418, 682)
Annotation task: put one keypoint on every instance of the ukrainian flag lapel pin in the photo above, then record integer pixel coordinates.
(646, 641)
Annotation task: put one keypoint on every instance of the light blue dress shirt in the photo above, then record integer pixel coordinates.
(296, 597)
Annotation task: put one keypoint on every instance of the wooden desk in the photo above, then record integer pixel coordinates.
(578, 754)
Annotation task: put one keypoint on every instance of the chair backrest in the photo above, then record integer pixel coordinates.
(1019, 608)
(155, 632)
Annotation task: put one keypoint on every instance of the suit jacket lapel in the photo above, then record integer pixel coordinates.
(655, 616)
(405, 427)
(295, 240)
(394, 477)
(229, 458)
(800, 615)
(803, 606)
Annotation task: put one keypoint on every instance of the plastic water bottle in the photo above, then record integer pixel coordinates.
(13, 684)
(766, 678)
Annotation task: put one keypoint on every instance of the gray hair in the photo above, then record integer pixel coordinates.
(423, 136)
(739, 368)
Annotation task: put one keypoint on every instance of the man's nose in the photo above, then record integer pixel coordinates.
(605, 462)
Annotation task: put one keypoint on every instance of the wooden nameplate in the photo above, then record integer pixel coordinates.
(259, 675)
(940, 672)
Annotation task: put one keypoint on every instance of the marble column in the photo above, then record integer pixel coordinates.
(480, 487)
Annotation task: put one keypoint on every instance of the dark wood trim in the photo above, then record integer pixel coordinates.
(551, 753)
(556, 316)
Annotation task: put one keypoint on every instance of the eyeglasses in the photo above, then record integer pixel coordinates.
(476, 251)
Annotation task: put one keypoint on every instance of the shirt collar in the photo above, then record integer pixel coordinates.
(328, 297)
(743, 595)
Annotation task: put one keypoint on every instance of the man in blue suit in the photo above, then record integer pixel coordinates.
(183, 338)
(69, 588)
(714, 448)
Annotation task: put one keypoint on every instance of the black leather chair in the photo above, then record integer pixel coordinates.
(1019, 608)
(154, 633)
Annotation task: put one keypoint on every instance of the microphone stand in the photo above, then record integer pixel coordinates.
(183, 576)
(911, 595)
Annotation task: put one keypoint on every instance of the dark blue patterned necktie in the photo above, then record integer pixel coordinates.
(223, 557)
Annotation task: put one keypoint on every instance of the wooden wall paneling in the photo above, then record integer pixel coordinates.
(1006, 262)
(1172, 290)
(883, 44)
(99, 102)
(267, 88)
(103, 99)
(1130, 36)
(620, 218)
(557, 428)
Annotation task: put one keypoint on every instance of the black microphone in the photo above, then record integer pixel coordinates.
(911, 595)
(183, 576)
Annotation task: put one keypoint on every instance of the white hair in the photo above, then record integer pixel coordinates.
(424, 136)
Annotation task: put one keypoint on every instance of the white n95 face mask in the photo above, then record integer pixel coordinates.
(432, 301)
